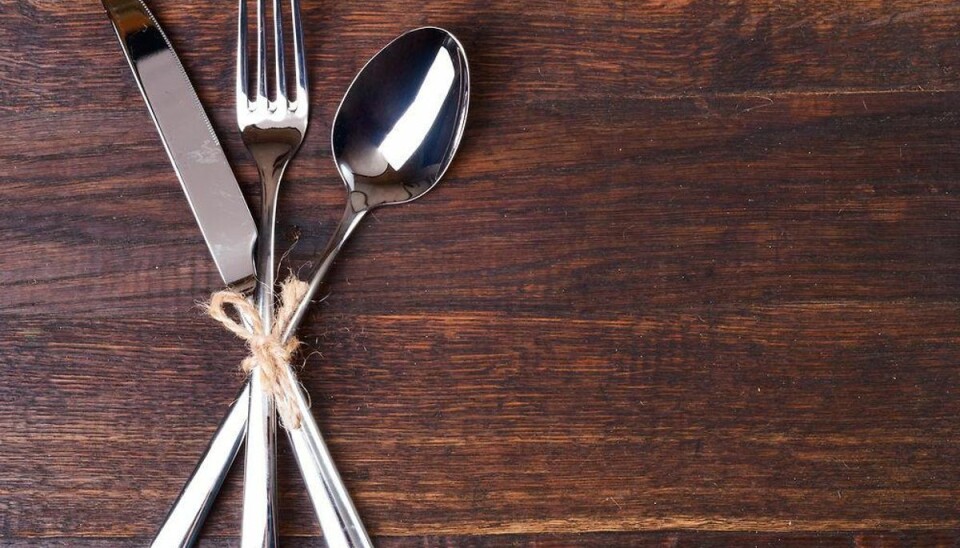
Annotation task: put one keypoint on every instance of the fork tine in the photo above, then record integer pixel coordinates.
(301, 64)
(261, 52)
(243, 101)
(278, 54)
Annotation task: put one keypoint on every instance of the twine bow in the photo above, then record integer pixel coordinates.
(268, 351)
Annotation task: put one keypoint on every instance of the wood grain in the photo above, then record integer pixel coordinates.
(693, 279)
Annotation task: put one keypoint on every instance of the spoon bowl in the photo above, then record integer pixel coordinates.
(401, 121)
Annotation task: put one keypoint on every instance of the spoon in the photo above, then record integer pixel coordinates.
(394, 135)
(396, 131)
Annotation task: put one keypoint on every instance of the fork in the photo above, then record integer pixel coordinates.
(272, 130)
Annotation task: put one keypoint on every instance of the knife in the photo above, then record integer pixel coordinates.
(193, 147)
(220, 210)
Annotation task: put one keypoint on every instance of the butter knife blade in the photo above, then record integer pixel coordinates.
(194, 150)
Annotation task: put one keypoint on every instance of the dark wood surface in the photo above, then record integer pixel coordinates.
(693, 279)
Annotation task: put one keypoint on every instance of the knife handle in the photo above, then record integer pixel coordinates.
(182, 525)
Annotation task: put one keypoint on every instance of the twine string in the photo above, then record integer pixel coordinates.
(269, 353)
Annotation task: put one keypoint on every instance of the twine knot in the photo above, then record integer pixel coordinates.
(269, 353)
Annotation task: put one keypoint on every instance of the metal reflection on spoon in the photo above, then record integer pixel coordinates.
(402, 119)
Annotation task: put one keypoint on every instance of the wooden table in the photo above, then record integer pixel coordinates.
(693, 278)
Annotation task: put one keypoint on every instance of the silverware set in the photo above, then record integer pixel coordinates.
(393, 138)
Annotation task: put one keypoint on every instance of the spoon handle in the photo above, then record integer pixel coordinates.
(339, 519)
(353, 213)
(331, 500)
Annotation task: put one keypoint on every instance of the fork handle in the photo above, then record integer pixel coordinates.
(259, 526)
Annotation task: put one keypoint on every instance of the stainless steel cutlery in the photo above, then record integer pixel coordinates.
(272, 131)
(394, 135)
(188, 137)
